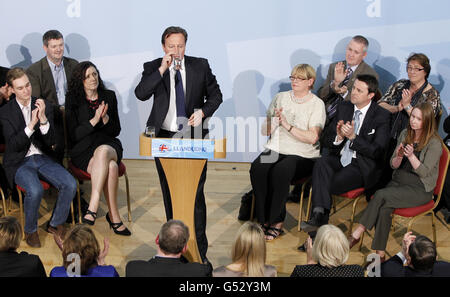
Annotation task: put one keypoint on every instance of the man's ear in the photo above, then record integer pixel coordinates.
(184, 249)
(157, 239)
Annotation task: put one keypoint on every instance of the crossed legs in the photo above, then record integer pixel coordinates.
(104, 173)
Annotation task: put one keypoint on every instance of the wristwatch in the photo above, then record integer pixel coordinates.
(408, 107)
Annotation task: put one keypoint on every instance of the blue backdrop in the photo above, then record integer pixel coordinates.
(251, 46)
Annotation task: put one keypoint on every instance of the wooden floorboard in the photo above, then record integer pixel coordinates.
(225, 185)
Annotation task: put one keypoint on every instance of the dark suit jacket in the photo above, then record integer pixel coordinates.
(17, 142)
(202, 90)
(163, 267)
(371, 143)
(80, 131)
(394, 268)
(325, 91)
(13, 264)
(41, 78)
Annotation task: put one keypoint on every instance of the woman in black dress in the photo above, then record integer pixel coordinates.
(93, 126)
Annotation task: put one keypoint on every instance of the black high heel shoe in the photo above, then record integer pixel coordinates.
(116, 226)
(89, 222)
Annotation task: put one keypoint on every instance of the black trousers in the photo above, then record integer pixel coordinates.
(200, 204)
(271, 178)
(331, 178)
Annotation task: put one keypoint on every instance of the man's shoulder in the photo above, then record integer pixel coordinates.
(367, 69)
(69, 61)
(37, 66)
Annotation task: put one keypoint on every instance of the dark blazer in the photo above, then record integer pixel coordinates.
(13, 264)
(316, 270)
(371, 143)
(80, 132)
(394, 268)
(325, 91)
(163, 267)
(202, 90)
(17, 142)
(41, 78)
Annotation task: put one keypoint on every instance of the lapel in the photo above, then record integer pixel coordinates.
(67, 69)
(368, 119)
(189, 80)
(17, 112)
(47, 75)
(357, 71)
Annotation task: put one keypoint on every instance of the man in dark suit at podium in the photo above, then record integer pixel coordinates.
(185, 93)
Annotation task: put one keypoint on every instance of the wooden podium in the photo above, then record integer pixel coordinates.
(183, 187)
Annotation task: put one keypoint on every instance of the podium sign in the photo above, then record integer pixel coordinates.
(183, 161)
(183, 148)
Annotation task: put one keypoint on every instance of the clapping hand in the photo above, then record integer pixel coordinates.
(406, 98)
(104, 253)
(339, 73)
(309, 247)
(105, 116)
(408, 150)
(348, 130)
(40, 106)
(400, 152)
(408, 238)
(281, 119)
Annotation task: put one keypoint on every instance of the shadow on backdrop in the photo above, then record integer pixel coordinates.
(244, 103)
(300, 56)
(77, 47)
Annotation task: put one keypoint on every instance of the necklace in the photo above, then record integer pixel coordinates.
(300, 100)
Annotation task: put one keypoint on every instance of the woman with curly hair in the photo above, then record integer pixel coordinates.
(93, 126)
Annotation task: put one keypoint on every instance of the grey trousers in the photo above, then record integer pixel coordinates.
(385, 201)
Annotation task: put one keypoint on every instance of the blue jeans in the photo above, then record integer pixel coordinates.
(37, 167)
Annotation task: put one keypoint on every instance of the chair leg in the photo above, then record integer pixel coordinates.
(128, 196)
(252, 210)
(79, 201)
(71, 212)
(350, 229)
(300, 210)
(308, 209)
(22, 218)
(433, 226)
(5, 210)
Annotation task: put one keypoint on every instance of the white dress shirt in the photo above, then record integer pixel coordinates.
(170, 122)
(26, 112)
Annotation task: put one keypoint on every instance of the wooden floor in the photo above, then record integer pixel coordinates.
(225, 185)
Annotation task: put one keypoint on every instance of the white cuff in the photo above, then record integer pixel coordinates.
(44, 128)
(28, 131)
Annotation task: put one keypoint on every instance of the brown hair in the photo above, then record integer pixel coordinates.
(428, 126)
(423, 60)
(51, 34)
(173, 30)
(82, 241)
(10, 234)
(14, 74)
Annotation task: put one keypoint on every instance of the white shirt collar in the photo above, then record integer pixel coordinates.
(364, 109)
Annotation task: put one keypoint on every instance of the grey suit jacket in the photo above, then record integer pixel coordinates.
(41, 78)
(325, 91)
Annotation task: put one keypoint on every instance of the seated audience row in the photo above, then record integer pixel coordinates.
(326, 257)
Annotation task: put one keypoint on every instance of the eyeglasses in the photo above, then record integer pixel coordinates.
(293, 78)
(413, 69)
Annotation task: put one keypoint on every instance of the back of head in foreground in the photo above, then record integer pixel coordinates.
(249, 249)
